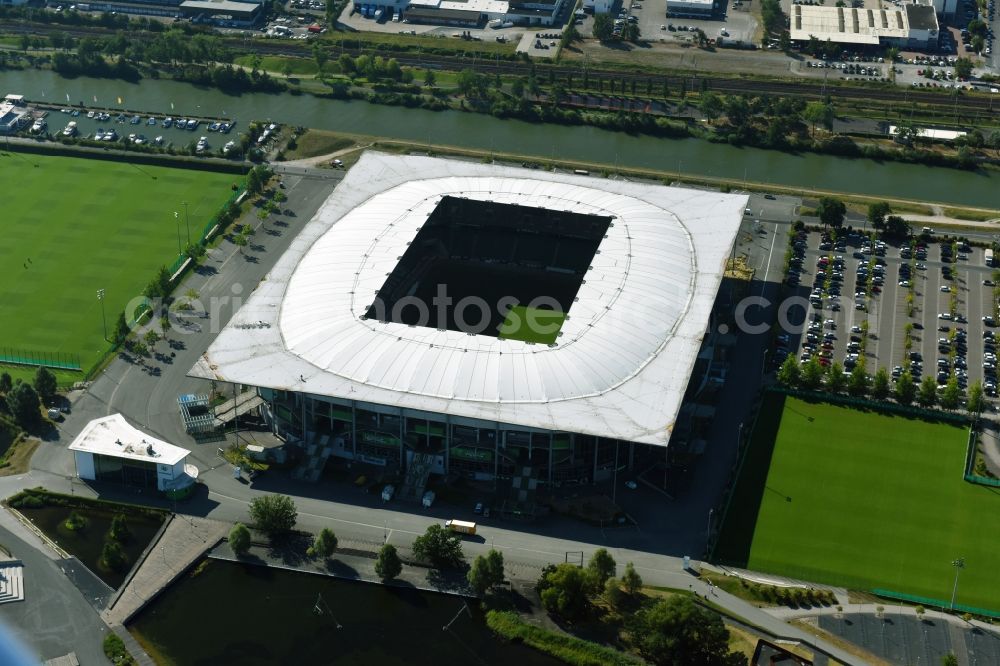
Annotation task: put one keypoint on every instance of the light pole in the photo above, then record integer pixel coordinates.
(959, 564)
(187, 221)
(177, 220)
(104, 321)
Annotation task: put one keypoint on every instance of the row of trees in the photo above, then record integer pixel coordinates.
(812, 376)
(23, 400)
(568, 591)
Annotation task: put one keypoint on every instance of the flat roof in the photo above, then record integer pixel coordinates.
(624, 354)
(687, 3)
(848, 25)
(921, 17)
(227, 6)
(114, 436)
(931, 133)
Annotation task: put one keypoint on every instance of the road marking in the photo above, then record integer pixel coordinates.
(767, 266)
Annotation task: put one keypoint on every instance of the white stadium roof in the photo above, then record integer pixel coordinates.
(625, 353)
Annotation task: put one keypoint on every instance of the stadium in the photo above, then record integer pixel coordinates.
(484, 321)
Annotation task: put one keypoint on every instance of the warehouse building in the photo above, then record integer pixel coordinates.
(913, 26)
(691, 8)
(484, 321)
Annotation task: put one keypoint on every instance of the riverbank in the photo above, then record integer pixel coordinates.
(694, 159)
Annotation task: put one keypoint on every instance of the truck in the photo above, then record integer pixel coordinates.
(428, 499)
(989, 256)
(460, 526)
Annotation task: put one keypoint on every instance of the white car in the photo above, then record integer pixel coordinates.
(945, 289)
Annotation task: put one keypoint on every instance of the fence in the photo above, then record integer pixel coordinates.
(865, 403)
(204, 237)
(934, 603)
(970, 463)
(53, 360)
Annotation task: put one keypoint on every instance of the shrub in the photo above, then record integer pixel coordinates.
(75, 521)
(324, 544)
(239, 539)
(116, 652)
(119, 529)
(388, 565)
(113, 557)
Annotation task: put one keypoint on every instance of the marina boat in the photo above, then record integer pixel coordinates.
(192, 124)
(213, 127)
(70, 129)
(167, 122)
(151, 121)
(135, 120)
(91, 114)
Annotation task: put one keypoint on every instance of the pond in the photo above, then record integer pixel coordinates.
(87, 542)
(231, 613)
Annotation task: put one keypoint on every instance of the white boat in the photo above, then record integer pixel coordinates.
(192, 124)
(39, 126)
(158, 140)
(202, 145)
(151, 121)
(167, 122)
(110, 135)
(91, 114)
(70, 129)
(99, 135)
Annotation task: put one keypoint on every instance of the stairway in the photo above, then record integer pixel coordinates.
(416, 477)
(11, 581)
(315, 459)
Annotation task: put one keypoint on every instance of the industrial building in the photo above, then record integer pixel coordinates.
(464, 13)
(913, 26)
(110, 450)
(691, 8)
(484, 321)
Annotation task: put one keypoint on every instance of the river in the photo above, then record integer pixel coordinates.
(469, 130)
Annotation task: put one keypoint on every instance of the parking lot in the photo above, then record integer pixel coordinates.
(856, 305)
(655, 25)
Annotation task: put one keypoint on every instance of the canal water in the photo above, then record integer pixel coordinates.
(244, 614)
(478, 131)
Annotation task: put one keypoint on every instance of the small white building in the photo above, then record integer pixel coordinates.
(13, 118)
(111, 450)
(692, 8)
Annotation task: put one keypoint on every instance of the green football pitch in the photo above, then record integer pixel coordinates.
(865, 500)
(72, 226)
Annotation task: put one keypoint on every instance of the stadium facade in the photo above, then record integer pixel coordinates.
(484, 321)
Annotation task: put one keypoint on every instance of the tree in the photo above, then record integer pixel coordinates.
(951, 396)
(119, 529)
(812, 374)
(438, 546)
(603, 27)
(949, 660)
(710, 106)
(5, 382)
(429, 78)
(857, 384)
(113, 556)
(897, 226)
(388, 564)
(920, 610)
(164, 325)
(790, 372)
(479, 575)
(906, 390)
(880, 384)
(151, 337)
(835, 378)
(614, 594)
(564, 590)
(331, 12)
(273, 513)
(22, 403)
(241, 241)
(974, 403)
(239, 539)
(831, 211)
(320, 56)
(785, 41)
(45, 383)
(877, 212)
(601, 566)
(630, 33)
(631, 581)
(324, 544)
(677, 631)
(494, 563)
(121, 329)
(927, 395)
(818, 113)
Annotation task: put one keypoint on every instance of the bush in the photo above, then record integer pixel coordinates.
(324, 544)
(438, 546)
(239, 539)
(113, 557)
(119, 529)
(564, 591)
(75, 521)
(116, 652)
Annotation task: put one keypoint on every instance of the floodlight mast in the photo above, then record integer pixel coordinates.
(959, 564)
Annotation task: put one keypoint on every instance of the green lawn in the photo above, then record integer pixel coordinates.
(529, 324)
(869, 500)
(87, 225)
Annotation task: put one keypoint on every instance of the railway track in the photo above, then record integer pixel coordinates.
(965, 102)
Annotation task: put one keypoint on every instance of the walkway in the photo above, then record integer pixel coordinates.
(182, 543)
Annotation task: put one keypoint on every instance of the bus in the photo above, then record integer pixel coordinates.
(461, 526)
(989, 256)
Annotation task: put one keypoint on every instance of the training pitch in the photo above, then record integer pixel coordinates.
(72, 226)
(864, 500)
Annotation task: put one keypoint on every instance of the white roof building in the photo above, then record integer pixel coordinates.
(910, 24)
(618, 369)
(112, 437)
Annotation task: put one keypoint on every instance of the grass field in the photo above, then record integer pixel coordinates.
(865, 500)
(72, 226)
(529, 324)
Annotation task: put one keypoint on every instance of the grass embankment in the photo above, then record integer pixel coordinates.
(116, 652)
(866, 500)
(16, 449)
(318, 142)
(574, 651)
(104, 225)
